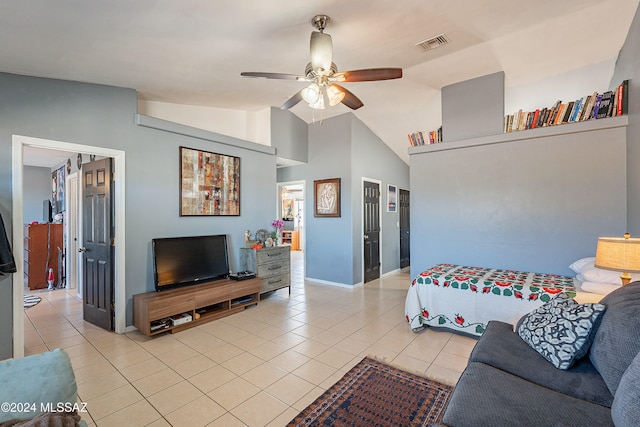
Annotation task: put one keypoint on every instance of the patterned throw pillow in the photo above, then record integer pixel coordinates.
(561, 330)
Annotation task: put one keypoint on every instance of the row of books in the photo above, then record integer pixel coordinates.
(425, 138)
(596, 106)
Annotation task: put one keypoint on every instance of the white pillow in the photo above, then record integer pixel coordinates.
(599, 288)
(582, 263)
(605, 276)
(588, 273)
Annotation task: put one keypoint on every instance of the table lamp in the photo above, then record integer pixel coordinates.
(619, 254)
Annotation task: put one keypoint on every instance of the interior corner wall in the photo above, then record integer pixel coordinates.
(289, 135)
(473, 108)
(328, 249)
(373, 159)
(103, 116)
(343, 147)
(628, 67)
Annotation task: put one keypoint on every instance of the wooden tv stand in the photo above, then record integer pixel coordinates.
(204, 302)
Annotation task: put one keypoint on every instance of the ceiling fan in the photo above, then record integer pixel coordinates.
(323, 74)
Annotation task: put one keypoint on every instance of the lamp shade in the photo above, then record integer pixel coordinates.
(618, 254)
(311, 93)
(335, 95)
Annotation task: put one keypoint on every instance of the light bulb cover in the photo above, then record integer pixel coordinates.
(319, 104)
(311, 93)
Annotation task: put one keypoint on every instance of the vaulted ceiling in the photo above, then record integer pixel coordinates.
(192, 52)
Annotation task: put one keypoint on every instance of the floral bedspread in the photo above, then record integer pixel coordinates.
(465, 298)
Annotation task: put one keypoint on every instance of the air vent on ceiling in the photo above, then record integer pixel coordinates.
(433, 42)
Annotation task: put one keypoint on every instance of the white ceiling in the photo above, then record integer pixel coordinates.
(192, 52)
(45, 158)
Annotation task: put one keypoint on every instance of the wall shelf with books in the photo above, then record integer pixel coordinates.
(525, 137)
(425, 137)
(608, 104)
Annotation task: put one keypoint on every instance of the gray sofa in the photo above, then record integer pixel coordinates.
(507, 383)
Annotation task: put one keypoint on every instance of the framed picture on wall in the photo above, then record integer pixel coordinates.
(326, 198)
(287, 209)
(57, 189)
(392, 198)
(209, 183)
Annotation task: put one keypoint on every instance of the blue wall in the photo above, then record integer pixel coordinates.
(343, 147)
(37, 185)
(289, 135)
(534, 200)
(104, 116)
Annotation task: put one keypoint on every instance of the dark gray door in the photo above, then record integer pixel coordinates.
(405, 234)
(371, 231)
(97, 248)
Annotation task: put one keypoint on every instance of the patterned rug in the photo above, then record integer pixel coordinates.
(375, 394)
(30, 301)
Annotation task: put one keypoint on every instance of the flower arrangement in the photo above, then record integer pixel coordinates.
(277, 225)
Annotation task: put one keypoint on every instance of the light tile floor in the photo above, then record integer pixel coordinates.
(256, 368)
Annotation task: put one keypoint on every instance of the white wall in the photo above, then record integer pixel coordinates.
(247, 125)
(569, 86)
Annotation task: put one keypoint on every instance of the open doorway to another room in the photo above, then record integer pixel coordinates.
(62, 210)
(291, 210)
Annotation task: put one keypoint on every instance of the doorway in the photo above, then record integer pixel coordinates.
(371, 229)
(291, 209)
(118, 156)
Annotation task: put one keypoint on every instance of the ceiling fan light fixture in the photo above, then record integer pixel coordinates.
(335, 95)
(322, 73)
(311, 93)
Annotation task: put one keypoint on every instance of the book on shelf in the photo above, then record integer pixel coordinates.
(596, 106)
(610, 103)
(425, 137)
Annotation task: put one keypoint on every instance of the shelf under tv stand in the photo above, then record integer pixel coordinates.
(205, 302)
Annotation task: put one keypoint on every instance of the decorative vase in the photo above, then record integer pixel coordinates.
(279, 239)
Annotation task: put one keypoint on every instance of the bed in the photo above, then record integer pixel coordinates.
(464, 299)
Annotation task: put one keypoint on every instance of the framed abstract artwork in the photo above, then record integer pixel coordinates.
(209, 183)
(326, 198)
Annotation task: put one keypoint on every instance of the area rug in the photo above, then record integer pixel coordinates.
(30, 301)
(375, 394)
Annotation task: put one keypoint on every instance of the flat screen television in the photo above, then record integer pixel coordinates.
(184, 261)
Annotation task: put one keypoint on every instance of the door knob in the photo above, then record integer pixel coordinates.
(82, 250)
(366, 237)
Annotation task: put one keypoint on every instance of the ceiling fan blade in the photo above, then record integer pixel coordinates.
(321, 52)
(368, 75)
(350, 100)
(280, 76)
(297, 97)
